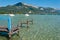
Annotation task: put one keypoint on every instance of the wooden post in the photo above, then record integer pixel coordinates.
(27, 24)
(32, 21)
(21, 24)
(10, 34)
(18, 33)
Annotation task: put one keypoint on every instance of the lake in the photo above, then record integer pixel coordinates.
(44, 27)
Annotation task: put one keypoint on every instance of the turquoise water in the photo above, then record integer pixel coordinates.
(45, 27)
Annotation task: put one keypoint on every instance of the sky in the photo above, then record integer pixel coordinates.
(43, 3)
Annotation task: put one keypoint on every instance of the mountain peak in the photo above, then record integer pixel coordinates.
(19, 4)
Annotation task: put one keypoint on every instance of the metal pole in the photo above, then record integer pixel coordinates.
(9, 23)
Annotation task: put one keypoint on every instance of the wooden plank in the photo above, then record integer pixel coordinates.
(3, 30)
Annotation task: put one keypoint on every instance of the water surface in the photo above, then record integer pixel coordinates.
(45, 27)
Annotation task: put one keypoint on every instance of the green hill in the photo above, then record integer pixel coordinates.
(21, 8)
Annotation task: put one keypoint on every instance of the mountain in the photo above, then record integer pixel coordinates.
(23, 8)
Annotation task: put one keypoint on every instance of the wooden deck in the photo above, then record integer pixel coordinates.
(10, 33)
